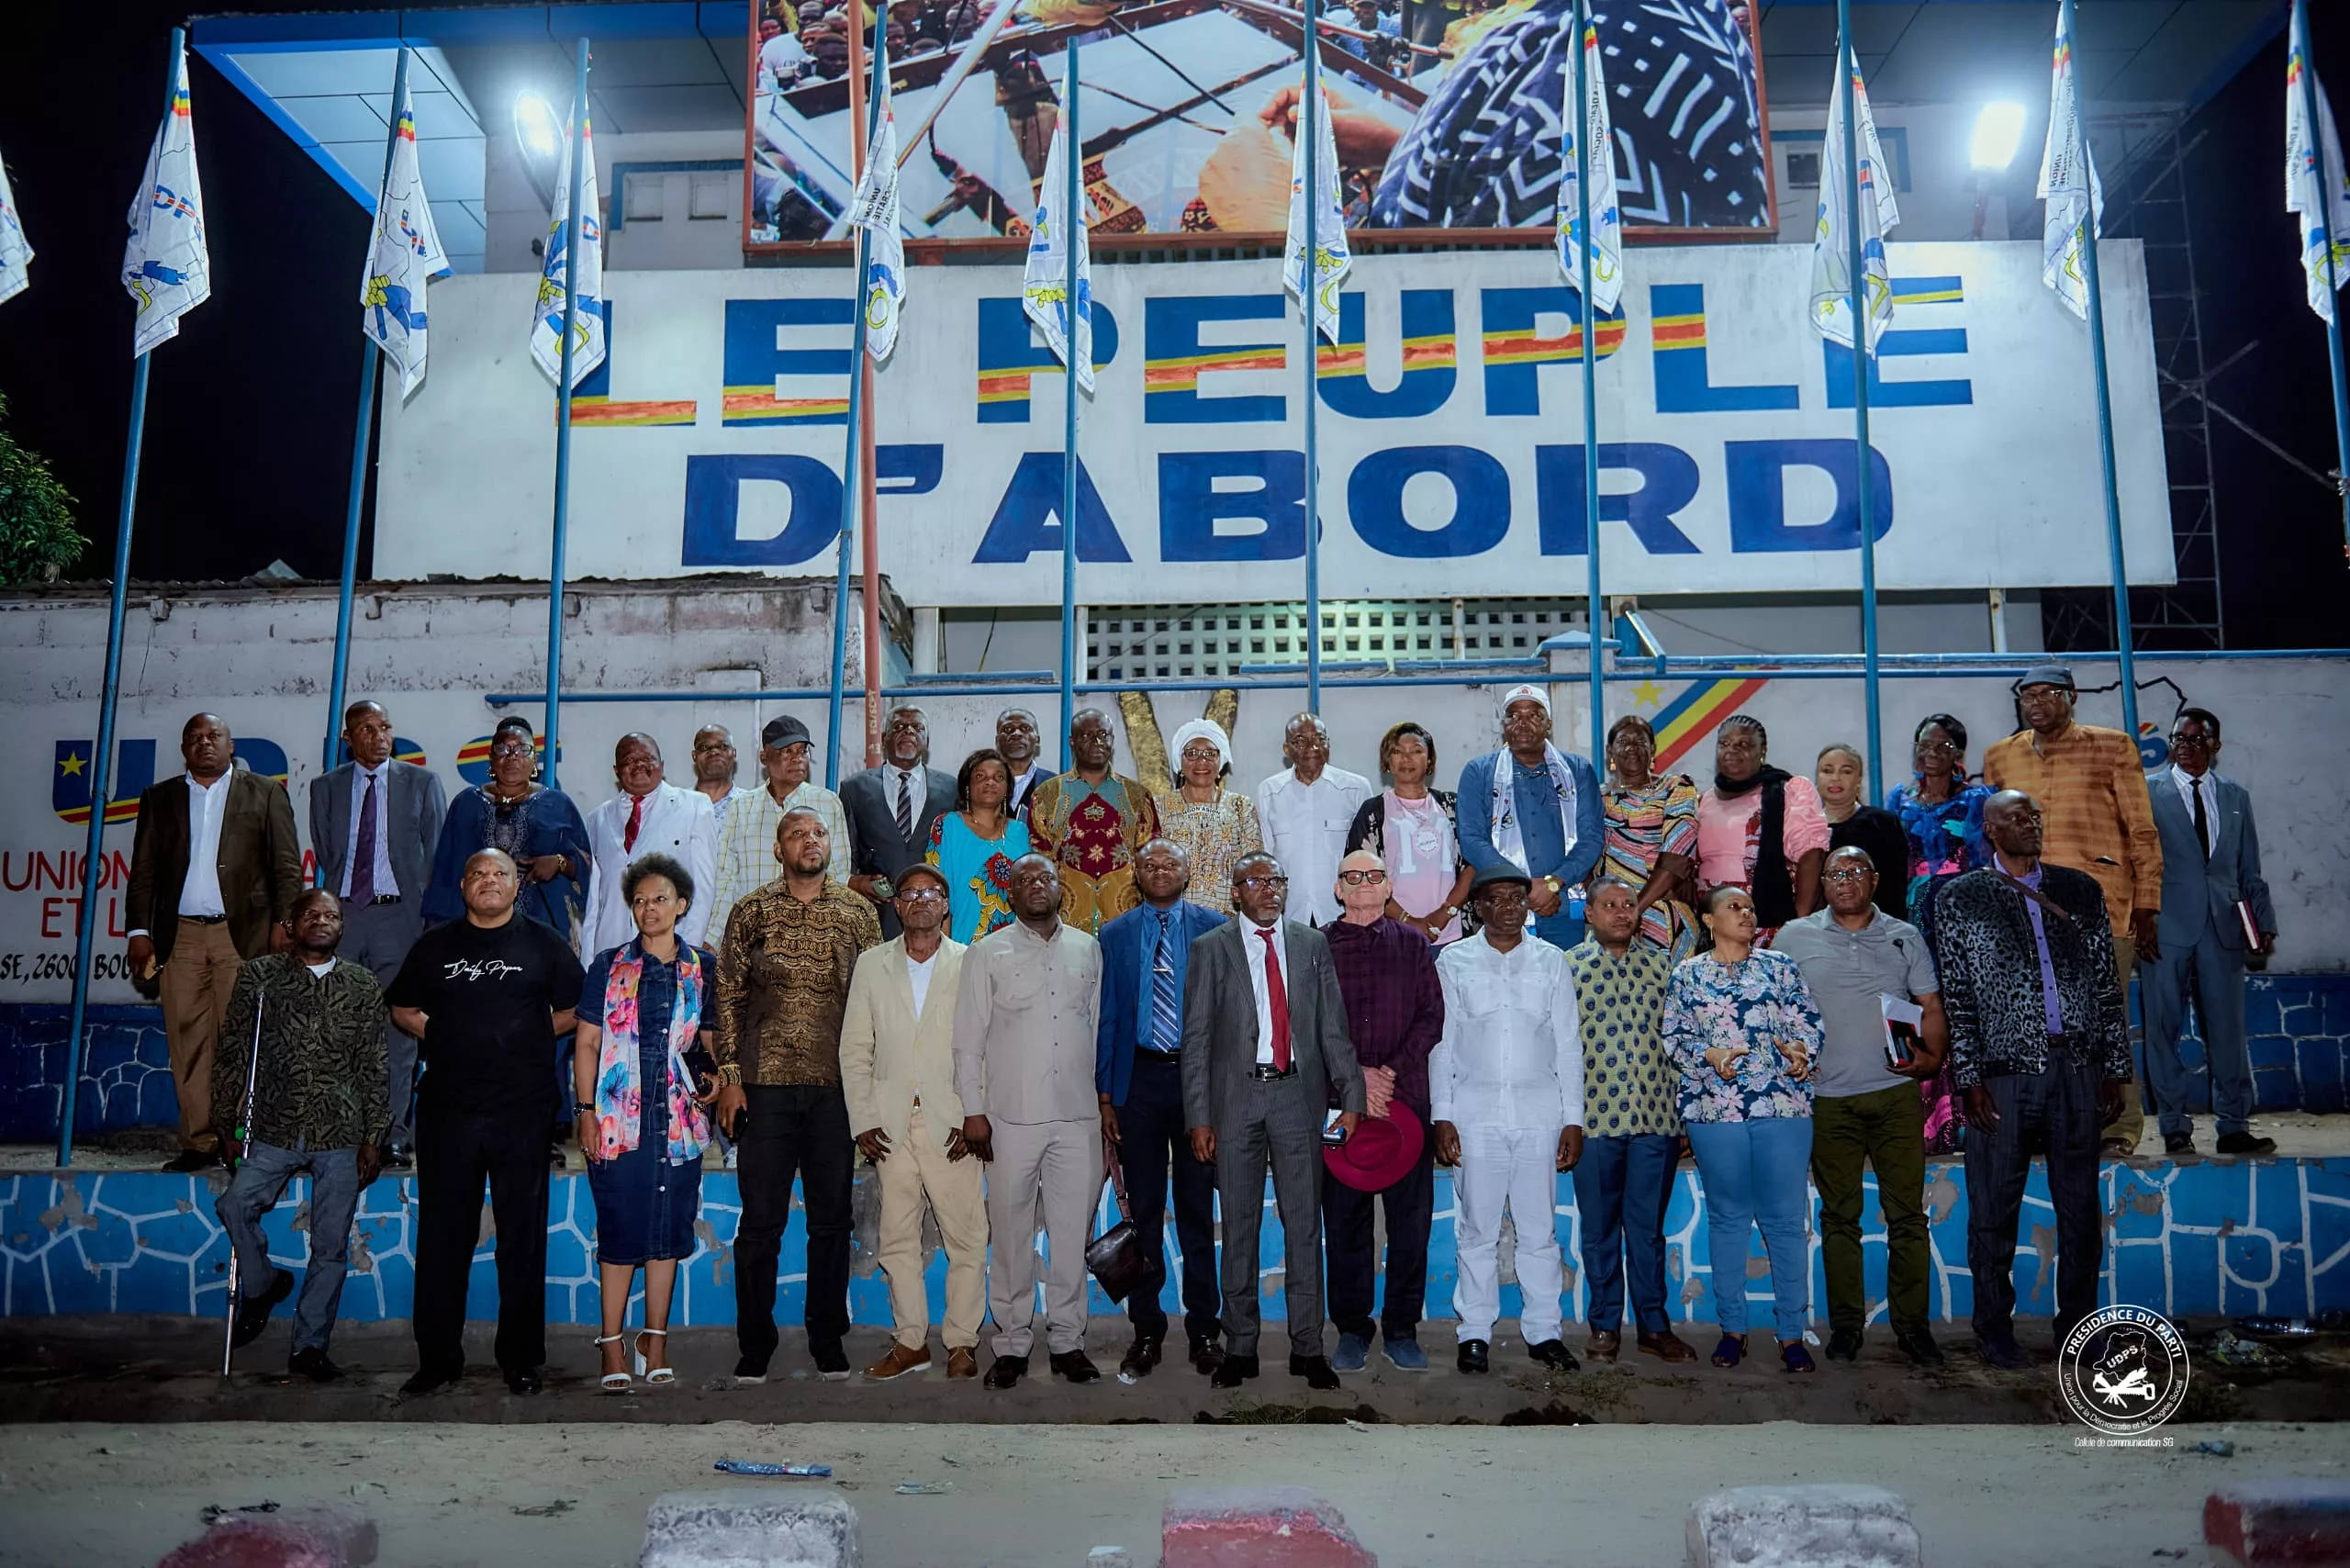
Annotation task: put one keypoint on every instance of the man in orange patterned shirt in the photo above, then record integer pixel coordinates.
(1092, 823)
(2096, 817)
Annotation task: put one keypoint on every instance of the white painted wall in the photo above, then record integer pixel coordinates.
(516, 216)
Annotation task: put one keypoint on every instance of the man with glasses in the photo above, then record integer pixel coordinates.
(1306, 812)
(891, 809)
(1090, 822)
(1863, 965)
(714, 767)
(746, 843)
(648, 814)
(1395, 1016)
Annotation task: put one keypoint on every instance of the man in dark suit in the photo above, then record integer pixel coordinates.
(215, 867)
(1138, 1074)
(1264, 1044)
(891, 809)
(374, 825)
(2211, 888)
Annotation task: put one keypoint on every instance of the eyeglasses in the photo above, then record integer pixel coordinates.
(1941, 748)
(922, 895)
(1252, 882)
(1847, 874)
(2195, 738)
(713, 745)
(1362, 879)
(513, 749)
(1201, 754)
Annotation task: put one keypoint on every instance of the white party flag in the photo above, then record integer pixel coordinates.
(1607, 216)
(2325, 215)
(405, 254)
(874, 208)
(1045, 287)
(1831, 242)
(2068, 183)
(15, 250)
(165, 266)
(1331, 257)
(587, 328)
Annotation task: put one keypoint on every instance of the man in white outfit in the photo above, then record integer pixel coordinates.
(1506, 1091)
(1306, 811)
(646, 815)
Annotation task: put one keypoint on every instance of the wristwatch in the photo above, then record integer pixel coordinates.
(1554, 884)
(582, 1107)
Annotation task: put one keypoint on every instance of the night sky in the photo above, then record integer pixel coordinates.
(248, 437)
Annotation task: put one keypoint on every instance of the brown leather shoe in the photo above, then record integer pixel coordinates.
(1667, 1347)
(1605, 1344)
(898, 1363)
(962, 1361)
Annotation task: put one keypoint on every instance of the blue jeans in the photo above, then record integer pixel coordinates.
(1755, 1175)
(334, 1197)
(1622, 1185)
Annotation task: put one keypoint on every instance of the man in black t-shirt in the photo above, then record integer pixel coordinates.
(486, 996)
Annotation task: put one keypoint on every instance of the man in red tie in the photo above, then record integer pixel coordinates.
(1265, 1052)
(649, 814)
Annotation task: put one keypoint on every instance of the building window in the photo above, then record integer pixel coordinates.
(713, 196)
(1802, 170)
(641, 198)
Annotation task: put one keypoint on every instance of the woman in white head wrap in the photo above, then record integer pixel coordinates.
(1215, 826)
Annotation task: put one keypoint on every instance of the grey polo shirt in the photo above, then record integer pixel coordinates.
(1847, 972)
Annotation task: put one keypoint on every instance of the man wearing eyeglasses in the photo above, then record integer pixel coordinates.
(891, 809)
(1394, 1017)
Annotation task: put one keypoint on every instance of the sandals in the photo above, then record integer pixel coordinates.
(619, 1381)
(1795, 1357)
(655, 1375)
(1731, 1352)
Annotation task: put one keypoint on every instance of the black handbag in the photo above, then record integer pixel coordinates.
(1115, 1257)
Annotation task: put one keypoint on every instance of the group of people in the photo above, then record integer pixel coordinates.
(999, 987)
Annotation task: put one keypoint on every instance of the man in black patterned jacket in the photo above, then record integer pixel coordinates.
(2040, 1045)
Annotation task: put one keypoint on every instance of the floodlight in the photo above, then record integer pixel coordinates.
(536, 127)
(1999, 133)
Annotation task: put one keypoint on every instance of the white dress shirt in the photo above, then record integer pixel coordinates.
(1512, 1051)
(2186, 782)
(917, 973)
(200, 894)
(1256, 946)
(1305, 827)
(382, 774)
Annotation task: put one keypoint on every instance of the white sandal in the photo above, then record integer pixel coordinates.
(636, 1354)
(619, 1381)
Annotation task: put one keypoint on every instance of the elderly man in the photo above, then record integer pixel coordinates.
(1090, 822)
(648, 814)
(1265, 1048)
(784, 969)
(746, 843)
(1305, 811)
(214, 869)
(321, 1100)
(890, 808)
(1138, 1079)
(2091, 786)
(2040, 1047)
(1532, 807)
(1016, 737)
(1859, 962)
(1505, 1085)
(898, 1072)
(1631, 1126)
(1026, 1026)
(714, 767)
(2216, 913)
(1395, 1016)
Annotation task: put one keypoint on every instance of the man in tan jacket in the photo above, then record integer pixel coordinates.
(898, 1072)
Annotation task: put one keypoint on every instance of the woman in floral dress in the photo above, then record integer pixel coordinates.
(974, 846)
(1652, 835)
(1215, 826)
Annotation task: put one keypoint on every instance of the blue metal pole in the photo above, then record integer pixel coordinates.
(110, 694)
(571, 242)
(1578, 117)
(2333, 285)
(1073, 219)
(1310, 291)
(2105, 442)
(852, 491)
(370, 366)
(1849, 65)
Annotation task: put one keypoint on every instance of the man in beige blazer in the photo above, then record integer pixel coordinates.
(897, 1073)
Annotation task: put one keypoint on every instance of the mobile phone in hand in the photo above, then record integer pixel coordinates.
(1333, 1133)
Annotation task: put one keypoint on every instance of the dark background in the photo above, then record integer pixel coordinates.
(248, 437)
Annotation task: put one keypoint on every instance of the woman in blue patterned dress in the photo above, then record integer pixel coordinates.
(1743, 1027)
(974, 846)
(1942, 816)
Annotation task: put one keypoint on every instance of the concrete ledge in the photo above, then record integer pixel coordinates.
(2271, 1524)
(750, 1527)
(1256, 1526)
(1802, 1527)
(302, 1538)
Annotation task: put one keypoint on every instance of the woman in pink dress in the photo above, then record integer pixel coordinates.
(1413, 829)
(1760, 828)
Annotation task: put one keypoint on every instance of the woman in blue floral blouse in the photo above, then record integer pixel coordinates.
(1743, 1027)
(1942, 816)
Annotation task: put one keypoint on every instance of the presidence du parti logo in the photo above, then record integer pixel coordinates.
(2123, 1373)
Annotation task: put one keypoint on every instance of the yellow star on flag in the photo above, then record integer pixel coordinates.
(1648, 694)
(70, 765)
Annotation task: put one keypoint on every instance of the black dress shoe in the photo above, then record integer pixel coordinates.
(430, 1379)
(1140, 1357)
(1554, 1355)
(1074, 1365)
(1474, 1357)
(1206, 1354)
(252, 1312)
(313, 1364)
(2003, 1354)
(1317, 1370)
(1006, 1372)
(1844, 1345)
(399, 1157)
(2177, 1144)
(188, 1161)
(525, 1381)
(2244, 1143)
(1917, 1344)
(1233, 1371)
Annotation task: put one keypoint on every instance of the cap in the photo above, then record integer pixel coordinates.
(923, 868)
(1526, 692)
(783, 730)
(1493, 875)
(2046, 674)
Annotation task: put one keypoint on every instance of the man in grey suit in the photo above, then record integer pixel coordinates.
(375, 822)
(890, 810)
(2211, 888)
(1265, 1047)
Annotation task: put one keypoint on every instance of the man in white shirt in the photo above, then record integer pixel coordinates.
(746, 839)
(646, 815)
(714, 767)
(1306, 811)
(1506, 1088)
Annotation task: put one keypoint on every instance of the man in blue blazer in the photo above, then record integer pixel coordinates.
(1137, 1069)
(2211, 883)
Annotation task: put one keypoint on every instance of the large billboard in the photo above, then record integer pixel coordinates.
(1449, 437)
(1446, 115)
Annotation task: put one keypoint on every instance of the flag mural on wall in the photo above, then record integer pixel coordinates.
(166, 267)
(2324, 213)
(1831, 244)
(2068, 183)
(874, 208)
(1331, 257)
(587, 329)
(1045, 286)
(1607, 216)
(405, 254)
(15, 250)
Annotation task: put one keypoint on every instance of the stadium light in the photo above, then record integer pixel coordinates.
(1999, 133)
(541, 133)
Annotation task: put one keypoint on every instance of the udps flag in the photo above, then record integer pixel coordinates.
(1607, 216)
(874, 208)
(406, 253)
(1058, 241)
(587, 329)
(1331, 258)
(2068, 184)
(2324, 214)
(1831, 242)
(165, 266)
(15, 250)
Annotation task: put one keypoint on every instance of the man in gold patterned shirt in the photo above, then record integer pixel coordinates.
(1092, 823)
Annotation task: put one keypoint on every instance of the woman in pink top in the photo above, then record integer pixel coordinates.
(1413, 827)
(1760, 828)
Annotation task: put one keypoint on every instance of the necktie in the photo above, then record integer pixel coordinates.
(363, 853)
(2202, 822)
(1277, 999)
(1165, 1018)
(635, 821)
(905, 806)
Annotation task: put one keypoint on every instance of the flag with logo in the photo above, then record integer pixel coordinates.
(2068, 184)
(165, 266)
(15, 250)
(1053, 245)
(874, 208)
(406, 253)
(1607, 216)
(2324, 214)
(587, 328)
(1331, 258)
(1831, 241)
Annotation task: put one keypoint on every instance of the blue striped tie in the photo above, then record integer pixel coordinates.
(1166, 1018)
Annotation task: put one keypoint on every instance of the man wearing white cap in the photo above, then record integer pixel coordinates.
(1306, 811)
(1532, 807)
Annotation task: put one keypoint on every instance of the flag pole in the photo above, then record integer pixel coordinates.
(853, 465)
(370, 367)
(2122, 650)
(1849, 66)
(110, 694)
(2325, 210)
(1582, 122)
(1309, 277)
(861, 137)
(1072, 220)
(571, 243)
